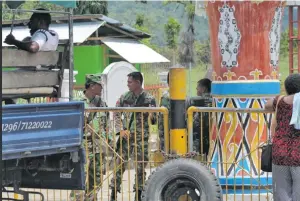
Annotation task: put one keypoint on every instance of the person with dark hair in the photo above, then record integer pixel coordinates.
(286, 142)
(96, 133)
(42, 39)
(134, 133)
(201, 130)
(203, 87)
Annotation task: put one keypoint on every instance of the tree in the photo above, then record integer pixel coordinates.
(284, 42)
(140, 25)
(140, 20)
(203, 52)
(30, 5)
(172, 29)
(186, 52)
(91, 7)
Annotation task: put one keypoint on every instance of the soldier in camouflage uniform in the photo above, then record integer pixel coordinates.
(203, 91)
(95, 136)
(136, 136)
(164, 102)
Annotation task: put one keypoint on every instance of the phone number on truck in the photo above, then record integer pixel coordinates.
(17, 126)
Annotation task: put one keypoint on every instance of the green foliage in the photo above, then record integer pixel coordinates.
(172, 29)
(30, 5)
(190, 9)
(140, 25)
(203, 52)
(83, 7)
(284, 43)
(157, 15)
(91, 7)
(139, 20)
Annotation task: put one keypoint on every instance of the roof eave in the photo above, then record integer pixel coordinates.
(112, 22)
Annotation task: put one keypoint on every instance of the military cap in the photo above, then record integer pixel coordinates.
(93, 79)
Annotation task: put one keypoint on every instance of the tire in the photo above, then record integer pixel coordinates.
(180, 176)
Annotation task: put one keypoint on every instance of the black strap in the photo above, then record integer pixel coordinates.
(43, 31)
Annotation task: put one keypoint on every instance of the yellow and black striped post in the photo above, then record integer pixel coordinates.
(178, 134)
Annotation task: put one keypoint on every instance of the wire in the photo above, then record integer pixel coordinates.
(13, 20)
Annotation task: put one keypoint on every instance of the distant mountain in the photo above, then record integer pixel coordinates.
(157, 14)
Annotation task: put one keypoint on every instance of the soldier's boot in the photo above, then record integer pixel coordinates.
(138, 196)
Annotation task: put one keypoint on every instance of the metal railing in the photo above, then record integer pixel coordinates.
(230, 140)
(111, 159)
(235, 137)
(156, 90)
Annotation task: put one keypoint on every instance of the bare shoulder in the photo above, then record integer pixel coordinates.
(289, 99)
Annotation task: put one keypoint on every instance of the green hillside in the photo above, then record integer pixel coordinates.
(157, 14)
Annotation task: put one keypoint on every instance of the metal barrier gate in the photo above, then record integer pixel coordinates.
(104, 150)
(234, 157)
(235, 137)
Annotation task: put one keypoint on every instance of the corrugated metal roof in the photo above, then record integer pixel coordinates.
(111, 27)
(133, 51)
(66, 4)
(292, 3)
(81, 31)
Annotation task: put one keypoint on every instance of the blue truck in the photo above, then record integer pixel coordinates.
(42, 146)
(41, 143)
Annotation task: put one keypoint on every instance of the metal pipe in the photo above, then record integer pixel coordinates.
(177, 99)
(166, 129)
(191, 110)
(291, 41)
(190, 80)
(235, 110)
(162, 110)
(190, 113)
(36, 11)
(298, 42)
(12, 22)
(71, 55)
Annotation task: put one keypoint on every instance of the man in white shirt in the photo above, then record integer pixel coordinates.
(42, 39)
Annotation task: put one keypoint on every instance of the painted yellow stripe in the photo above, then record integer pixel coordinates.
(177, 83)
(178, 141)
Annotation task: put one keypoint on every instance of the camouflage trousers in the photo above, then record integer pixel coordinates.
(95, 169)
(161, 140)
(139, 152)
(197, 146)
(161, 132)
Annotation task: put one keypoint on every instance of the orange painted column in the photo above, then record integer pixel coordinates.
(245, 38)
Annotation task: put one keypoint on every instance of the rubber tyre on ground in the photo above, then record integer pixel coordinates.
(182, 175)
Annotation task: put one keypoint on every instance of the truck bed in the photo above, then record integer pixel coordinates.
(32, 130)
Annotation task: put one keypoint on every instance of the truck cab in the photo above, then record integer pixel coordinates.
(42, 142)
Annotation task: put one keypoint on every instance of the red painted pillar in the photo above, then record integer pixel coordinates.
(245, 38)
